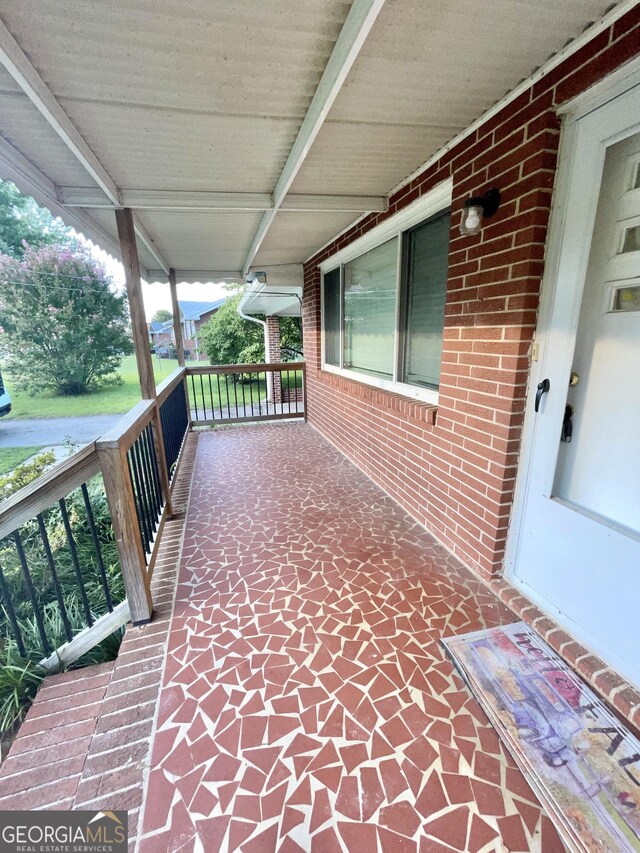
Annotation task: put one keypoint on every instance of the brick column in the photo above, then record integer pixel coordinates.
(272, 354)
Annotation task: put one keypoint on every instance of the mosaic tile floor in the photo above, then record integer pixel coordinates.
(307, 704)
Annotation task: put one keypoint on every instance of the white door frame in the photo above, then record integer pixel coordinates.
(614, 85)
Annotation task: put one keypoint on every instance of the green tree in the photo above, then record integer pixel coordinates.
(23, 221)
(228, 338)
(162, 315)
(64, 329)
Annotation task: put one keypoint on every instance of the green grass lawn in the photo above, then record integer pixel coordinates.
(110, 401)
(10, 457)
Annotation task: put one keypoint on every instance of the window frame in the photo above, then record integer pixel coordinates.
(432, 204)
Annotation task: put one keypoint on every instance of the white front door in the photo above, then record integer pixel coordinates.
(575, 543)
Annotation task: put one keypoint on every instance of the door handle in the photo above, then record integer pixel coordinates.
(543, 388)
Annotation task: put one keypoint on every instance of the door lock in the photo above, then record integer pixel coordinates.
(574, 378)
(543, 388)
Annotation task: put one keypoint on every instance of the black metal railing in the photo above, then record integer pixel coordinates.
(59, 571)
(246, 392)
(147, 490)
(174, 418)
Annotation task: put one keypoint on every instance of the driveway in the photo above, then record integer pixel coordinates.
(48, 432)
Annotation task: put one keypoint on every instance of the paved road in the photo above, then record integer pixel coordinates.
(54, 431)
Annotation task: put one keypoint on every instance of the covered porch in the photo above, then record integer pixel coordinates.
(285, 585)
(295, 696)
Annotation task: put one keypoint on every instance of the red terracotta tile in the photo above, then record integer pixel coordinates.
(391, 842)
(291, 818)
(457, 787)
(353, 756)
(321, 811)
(450, 827)
(480, 834)
(401, 818)
(239, 831)
(372, 792)
(264, 841)
(348, 799)
(512, 832)
(432, 798)
(325, 841)
(358, 837)
(488, 797)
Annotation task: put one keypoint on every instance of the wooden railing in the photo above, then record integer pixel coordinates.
(242, 393)
(45, 582)
(132, 467)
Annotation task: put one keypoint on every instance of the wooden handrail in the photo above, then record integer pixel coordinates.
(167, 385)
(56, 483)
(129, 427)
(276, 367)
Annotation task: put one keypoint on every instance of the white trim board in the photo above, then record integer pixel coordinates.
(435, 201)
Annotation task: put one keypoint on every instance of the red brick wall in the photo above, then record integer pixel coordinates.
(456, 475)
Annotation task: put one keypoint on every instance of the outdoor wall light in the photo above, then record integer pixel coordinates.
(476, 208)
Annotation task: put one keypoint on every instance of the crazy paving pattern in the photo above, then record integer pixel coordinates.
(307, 704)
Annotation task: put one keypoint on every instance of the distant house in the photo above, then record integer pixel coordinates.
(160, 332)
(192, 316)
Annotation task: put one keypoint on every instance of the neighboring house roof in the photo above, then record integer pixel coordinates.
(156, 326)
(195, 310)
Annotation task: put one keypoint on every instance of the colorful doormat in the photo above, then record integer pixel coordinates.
(581, 761)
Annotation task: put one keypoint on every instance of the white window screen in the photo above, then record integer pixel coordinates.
(331, 310)
(427, 248)
(370, 310)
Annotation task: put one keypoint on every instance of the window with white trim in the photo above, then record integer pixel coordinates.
(383, 308)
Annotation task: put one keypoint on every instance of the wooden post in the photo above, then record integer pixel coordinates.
(129, 250)
(177, 324)
(119, 491)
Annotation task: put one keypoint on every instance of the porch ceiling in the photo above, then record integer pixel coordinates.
(193, 114)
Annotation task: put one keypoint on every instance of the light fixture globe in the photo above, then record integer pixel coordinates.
(476, 209)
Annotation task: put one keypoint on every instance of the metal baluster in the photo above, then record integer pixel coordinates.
(226, 391)
(136, 500)
(244, 402)
(289, 395)
(251, 393)
(204, 404)
(219, 395)
(153, 499)
(155, 471)
(140, 506)
(148, 481)
(145, 501)
(235, 392)
(194, 396)
(266, 391)
(281, 394)
(54, 576)
(74, 560)
(96, 544)
(11, 613)
(210, 393)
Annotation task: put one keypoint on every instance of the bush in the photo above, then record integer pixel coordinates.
(25, 473)
(65, 330)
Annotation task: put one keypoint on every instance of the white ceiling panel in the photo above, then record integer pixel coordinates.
(26, 130)
(202, 240)
(372, 158)
(293, 237)
(430, 62)
(160, 149)
(194, 55)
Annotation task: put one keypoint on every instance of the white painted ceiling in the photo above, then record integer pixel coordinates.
(208, 96)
